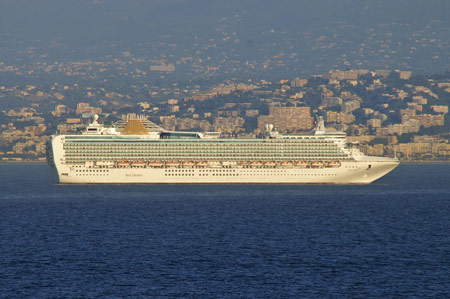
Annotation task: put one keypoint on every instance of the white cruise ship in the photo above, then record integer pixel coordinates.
(138, 151)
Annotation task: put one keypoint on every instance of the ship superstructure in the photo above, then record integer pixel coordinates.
(136, 150)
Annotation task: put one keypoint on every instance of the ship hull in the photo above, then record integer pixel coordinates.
(361, 172)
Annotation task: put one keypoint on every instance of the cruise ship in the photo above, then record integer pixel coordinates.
(135, 150)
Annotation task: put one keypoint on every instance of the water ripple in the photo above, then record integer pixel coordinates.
(388, 239)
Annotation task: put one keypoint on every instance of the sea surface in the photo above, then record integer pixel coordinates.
(387, 239)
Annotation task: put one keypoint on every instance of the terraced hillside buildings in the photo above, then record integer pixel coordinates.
(385, 110)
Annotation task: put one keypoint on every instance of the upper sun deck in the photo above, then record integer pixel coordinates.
(319, 132)
(138, 127)
(141, 128)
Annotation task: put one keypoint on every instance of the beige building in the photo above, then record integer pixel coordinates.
(350, 106)
(440, 109)
(86, 108)
(287, 119)
(415, 106)
(297, 82)
(228, 124)
(345, 75)
(73, 120)
(174, 108)
(374, 123)
(404, 75)
(376, 150)
(251, 112)
(331, 101)
(425, 120)
(163, 68)
(383, 73)
(420, 100)
(339, 117)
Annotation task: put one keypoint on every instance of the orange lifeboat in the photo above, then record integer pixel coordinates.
(256, 163)
(302, 164)
(172, 164)
(287, 163)
(123, 164)
(270, 163)
(188, 163)
(316, 164)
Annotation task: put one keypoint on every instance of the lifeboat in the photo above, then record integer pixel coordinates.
(333, 164)
(316, 164)
(155, 164)
(270, 163)
(215, 164)
(172, 164)
(256, 163)
(188, 163)
(140, 164)
(302, 164)
(123, 164)
(242, 164)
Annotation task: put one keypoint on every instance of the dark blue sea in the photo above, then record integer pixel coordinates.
(387, 239)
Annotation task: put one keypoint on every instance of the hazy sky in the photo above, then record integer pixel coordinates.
(319, 34)
(141, 20)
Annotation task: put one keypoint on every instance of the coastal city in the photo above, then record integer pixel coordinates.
(385, 83)
(388, 112)
(224, 149)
